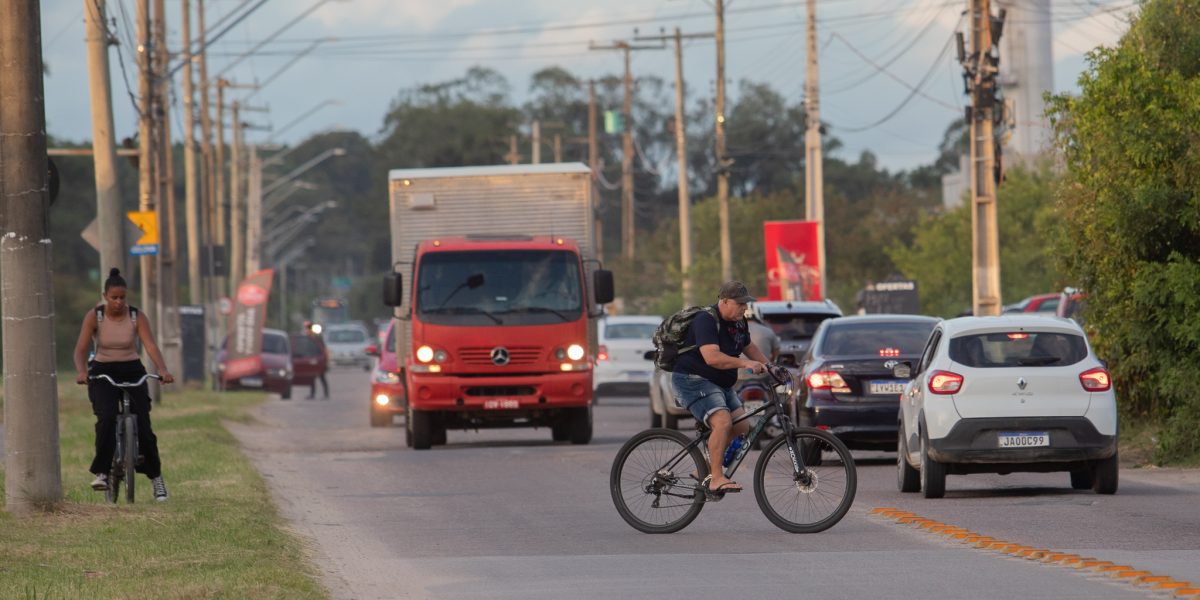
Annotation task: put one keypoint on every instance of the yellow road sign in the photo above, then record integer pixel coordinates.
(147, 221)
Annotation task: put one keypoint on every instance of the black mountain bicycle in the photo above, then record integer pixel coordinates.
(125, 458)
(658, 479)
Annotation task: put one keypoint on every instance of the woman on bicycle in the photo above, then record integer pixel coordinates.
(116, 328)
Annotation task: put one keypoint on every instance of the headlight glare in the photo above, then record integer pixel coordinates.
(424, 354)
(575, 352)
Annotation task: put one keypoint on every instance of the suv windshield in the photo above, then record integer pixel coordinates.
(863, 339)
(1018, 349)
(510, 287)
(792, 326)
(629, 331)
(345, 336)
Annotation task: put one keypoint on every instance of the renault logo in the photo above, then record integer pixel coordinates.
(1021, 383)
(499, 356)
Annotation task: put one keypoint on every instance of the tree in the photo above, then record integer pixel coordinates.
(1130, 208)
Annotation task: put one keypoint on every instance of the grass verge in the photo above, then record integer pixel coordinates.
(218, 536)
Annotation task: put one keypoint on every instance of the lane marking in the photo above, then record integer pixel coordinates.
(1137, 578)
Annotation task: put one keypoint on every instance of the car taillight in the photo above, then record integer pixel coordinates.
(1096, 380)
(945, 382)
(753, 394)
(828, 380)
(603, 353)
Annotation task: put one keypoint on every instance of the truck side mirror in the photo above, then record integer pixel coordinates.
(603, 286)
(393, 289)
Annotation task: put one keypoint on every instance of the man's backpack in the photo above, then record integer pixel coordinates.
(669, 336)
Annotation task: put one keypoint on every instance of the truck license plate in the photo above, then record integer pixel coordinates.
(1024, 439)
(501, 404)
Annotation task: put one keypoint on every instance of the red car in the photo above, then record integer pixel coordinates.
(1041, 303)
(309, 359)
(276, 375)
(388, 397)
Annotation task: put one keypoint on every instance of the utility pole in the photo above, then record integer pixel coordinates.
(982, 68)
(558, 147)
(685, 206)
(166, 313)
(32, 473)
(723, 162)
(146, 161)
(514, 156)
(191, 210)
(593, 164)
(536, 134)
(628, 230)
(209, 173)
(110, 219)
(219, 191)
(814, 177)
(254, 217)
(237, 227)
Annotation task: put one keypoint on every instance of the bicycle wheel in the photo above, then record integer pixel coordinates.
(129, 456)
(819, 498)
(654, 492)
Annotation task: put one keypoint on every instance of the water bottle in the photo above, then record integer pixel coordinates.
(732, 450)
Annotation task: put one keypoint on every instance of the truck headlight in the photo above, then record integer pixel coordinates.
(424, 354)
(575, 352)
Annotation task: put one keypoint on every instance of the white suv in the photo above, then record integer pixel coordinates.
(1007, 394)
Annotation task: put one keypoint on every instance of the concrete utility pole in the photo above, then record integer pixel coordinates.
(558, 147)
(219, 222)
(514, 156)
(536, 134)
(166, 317)
(237, 227)
(208, 169)
(110, 219)
(146, 156)
(32, 472)
(723, 162)
(982, 69)
(593, 165)
(191, 210)
(628, 229)
(814, 177)
(254, 217)
(685, 205)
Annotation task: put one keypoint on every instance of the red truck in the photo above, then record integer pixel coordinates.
(498, 327)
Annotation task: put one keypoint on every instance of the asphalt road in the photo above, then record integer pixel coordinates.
(509, 514)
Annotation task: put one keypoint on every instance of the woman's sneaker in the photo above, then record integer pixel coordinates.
(100, 483)
(160, 489)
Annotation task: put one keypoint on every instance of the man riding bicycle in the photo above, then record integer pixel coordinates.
(116, 328)
(703, 380)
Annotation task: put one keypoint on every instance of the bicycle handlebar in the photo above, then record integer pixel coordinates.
(125, 385)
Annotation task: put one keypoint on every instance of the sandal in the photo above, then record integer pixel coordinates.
(724, 488)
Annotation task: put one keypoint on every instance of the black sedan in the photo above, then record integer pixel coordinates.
(847, 383)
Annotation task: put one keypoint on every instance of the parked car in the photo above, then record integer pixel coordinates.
(620, 358)
(847, 384)
(347, 343)
(1007, 394)
(388, 396)
(1040, 303)
(276, 375)
(309, 360)
(795, 323)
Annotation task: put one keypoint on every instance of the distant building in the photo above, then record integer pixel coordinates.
(957, 185)
(1026, 73)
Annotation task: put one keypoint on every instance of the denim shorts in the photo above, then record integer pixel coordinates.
(703, 397)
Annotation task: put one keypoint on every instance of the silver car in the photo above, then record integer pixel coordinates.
(347, 344)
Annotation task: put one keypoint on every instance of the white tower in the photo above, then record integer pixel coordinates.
(1027, 72)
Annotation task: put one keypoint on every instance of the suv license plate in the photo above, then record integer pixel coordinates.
(891, 388)
(251, 381)
(501, 404)
(1024, 439)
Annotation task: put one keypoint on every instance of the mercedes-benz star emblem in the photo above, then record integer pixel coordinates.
(499, 356)
(1021, 383)
(890, 364)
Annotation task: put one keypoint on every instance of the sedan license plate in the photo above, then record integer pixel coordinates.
(251, 381)
(1024, 439)
(886, 388)
(501, 404)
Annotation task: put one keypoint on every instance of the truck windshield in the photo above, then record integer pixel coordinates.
(510, 287)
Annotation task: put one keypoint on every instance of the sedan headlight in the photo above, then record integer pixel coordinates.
(386, 376)
(575, 352)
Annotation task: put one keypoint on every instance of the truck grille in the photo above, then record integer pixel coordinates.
(517, 356)
(501, 390)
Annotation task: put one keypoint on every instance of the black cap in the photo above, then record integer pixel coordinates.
(736, 291)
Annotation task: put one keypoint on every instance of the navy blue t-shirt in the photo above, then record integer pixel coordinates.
(731, 337)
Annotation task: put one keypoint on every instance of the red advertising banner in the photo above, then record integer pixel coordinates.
(243, 347)
(793, 261)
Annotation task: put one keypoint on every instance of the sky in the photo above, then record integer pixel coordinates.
(380, 47)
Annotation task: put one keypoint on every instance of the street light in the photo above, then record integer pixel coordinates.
(312, 162)
(272, 202)
(281, 235)
(319, 106)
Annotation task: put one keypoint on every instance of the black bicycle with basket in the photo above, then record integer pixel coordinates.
(658, 478)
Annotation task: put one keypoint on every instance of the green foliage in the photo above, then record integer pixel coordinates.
(939, 258)
(1131, 215)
